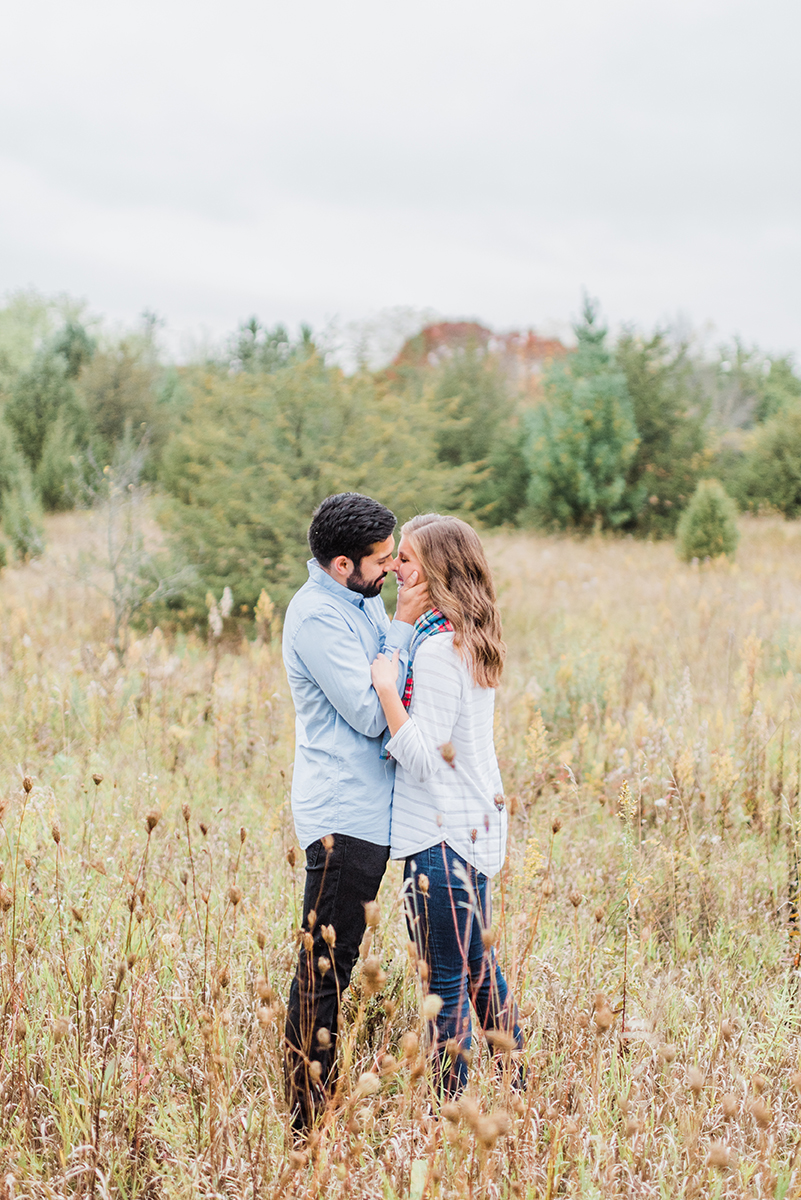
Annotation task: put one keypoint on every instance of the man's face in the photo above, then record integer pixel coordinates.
(368, 578)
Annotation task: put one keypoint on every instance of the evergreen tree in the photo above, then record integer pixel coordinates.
(769, 472)
(478, 424)
(256, 453)
(583, 439)
(39, 395)
(669, 416)
(708, 526)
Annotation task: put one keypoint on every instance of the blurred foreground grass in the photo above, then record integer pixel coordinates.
(151, 886)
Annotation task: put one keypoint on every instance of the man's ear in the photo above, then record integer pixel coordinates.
(341, 565)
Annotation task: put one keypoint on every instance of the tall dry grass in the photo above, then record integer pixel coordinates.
(647, 915)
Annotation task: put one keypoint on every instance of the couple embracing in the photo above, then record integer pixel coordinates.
(395, 757)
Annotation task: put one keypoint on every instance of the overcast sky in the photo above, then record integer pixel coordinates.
(332, 158)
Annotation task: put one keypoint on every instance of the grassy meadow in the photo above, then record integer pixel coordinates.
(649, 735)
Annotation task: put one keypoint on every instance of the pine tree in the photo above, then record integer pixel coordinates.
(583, 439)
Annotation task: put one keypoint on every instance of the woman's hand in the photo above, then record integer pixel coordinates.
(385, 673)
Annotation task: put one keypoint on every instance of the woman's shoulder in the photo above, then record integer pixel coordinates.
(439, 653)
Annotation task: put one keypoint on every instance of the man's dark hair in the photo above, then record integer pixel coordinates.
(348, 524)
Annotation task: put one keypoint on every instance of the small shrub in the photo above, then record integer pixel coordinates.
(708, 526)
(22, 520)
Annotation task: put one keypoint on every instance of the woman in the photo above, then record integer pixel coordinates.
(448, 816)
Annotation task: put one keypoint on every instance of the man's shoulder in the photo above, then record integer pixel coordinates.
(312, 601)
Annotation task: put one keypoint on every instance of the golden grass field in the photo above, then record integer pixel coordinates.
(648, 731)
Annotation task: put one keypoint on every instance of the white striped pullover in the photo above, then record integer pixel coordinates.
(435, 801)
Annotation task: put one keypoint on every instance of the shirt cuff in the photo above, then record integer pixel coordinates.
(399, 636)
(399, 741)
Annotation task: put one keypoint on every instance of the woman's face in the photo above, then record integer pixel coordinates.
(407, 562)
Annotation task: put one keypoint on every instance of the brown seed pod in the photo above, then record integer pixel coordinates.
(719, 1156)
(152, 819)
(556, 824)
(235, 895)
(97, 779)
(27, 784)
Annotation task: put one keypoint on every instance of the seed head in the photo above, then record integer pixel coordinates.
(20, 1028)
(422, 883)
(372, 914)
(328, 843)
(315, 1071)
(204, 829)
(695, 1081)
(556, 824)
(323, 964)
(488, 938)
(760, 1112)
(329, 935)
(373, 976)
(311, 919)
(575, 897)
(97, 779)
(291, 856)
(27, 783)
(431, 1006)
(718, 1156)
(235, 895)
(186, 812)
(599, 915)
(448, 753)
(368, 1084)
(77, 914)
(61, 1027)
(547, 886)
(152, 819)
(261, 938)
(224, 976)
(56, 833)
(30, 944)
(729, 1105)
(184, 878)
(451, 1112)
(410, 1044)
(323, 1036)
(242, 835)
(758, 1083)
(667, 1052)
(501, 1041)
(728, 1030)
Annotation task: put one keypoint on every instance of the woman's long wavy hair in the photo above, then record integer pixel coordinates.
(460, 586)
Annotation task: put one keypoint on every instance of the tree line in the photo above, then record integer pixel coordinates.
(610, 434)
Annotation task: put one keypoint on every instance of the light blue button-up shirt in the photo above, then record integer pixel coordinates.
(340, 783)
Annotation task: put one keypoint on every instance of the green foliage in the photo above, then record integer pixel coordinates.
(778, 390)
(583, 440)
(39, 396)
(57, 476)
(256, 453)
(259, 350)
(769, 473)
(669, 416)
(12, 464)
(477, 424)
(120, 389)
(75, 347)
(22, 519)
(27, 320)
(708, 526)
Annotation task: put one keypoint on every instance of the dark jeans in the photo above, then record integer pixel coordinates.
(339, 882)
(446, 923)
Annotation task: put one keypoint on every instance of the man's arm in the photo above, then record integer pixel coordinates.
(336, 661)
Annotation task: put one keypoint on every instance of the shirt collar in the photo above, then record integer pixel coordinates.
(324, 580)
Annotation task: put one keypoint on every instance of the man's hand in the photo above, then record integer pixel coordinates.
(413, 600)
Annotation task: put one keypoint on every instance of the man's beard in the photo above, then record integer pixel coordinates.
(355, 583)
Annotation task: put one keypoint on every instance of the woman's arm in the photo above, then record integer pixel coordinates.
(385, 681)
(416, 742)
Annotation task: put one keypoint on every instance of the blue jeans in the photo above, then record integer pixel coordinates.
(446, 920)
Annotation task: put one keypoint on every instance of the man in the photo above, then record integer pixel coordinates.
(341, 788)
